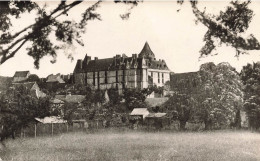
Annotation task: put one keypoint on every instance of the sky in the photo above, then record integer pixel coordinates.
(172, 36)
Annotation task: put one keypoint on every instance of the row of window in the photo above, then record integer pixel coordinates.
(123, 77)
(159, 80)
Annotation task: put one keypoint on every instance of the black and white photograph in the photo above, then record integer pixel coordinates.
(129, 80)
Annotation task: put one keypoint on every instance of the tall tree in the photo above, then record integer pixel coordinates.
(135, 98)
(181, 107)
(220, 95)
(250, 76)
(18, 108)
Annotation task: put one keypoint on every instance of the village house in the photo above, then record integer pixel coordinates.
(21, 76)
(139, 71)
(54, 81)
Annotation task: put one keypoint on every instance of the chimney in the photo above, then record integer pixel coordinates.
(87, 59)
(80, 63)
(159, 59)
(114, 60)
(96, 58)
(134, 56)
(163, 61)
(118, 56)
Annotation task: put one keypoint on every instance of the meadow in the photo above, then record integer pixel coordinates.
(135, 145)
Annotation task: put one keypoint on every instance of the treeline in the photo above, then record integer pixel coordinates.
(215, 96)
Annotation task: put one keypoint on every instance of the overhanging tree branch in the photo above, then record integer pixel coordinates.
(37, 26)
(226, 35)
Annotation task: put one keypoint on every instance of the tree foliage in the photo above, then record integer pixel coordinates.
(250, 76)
(134, 98)
(181, 108)
(18, 108)
(228, 27)
(67, 32)
(220, 95)
(33, 78)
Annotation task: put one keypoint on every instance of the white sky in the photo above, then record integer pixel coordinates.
(172, 36)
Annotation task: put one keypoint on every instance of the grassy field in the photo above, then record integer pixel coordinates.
(107, 145)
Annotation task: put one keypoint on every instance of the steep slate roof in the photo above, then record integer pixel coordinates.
(144, 59)
(146, 52)
(100, 64)
(21, 73)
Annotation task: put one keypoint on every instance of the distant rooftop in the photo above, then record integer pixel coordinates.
(21, 73)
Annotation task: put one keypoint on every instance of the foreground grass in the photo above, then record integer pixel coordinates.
(221, 145)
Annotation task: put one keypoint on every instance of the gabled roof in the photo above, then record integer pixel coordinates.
(55, 78)
(21, 73)
(51, 119)
(40, 94)
(139, 111)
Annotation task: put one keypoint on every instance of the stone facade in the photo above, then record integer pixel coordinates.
(138, 71)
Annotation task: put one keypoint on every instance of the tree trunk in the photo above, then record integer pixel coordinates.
(182, 125)
(238, 120)
(207, 125)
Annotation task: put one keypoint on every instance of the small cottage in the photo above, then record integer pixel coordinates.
(137, 116)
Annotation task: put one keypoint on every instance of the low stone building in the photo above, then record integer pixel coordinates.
(138, 71)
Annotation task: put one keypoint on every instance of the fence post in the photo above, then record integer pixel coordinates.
(97, 124)
(35, 130)
(22, 132)
(67, 127)
(51, 129)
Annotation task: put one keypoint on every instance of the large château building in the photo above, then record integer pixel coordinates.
(138, 71)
